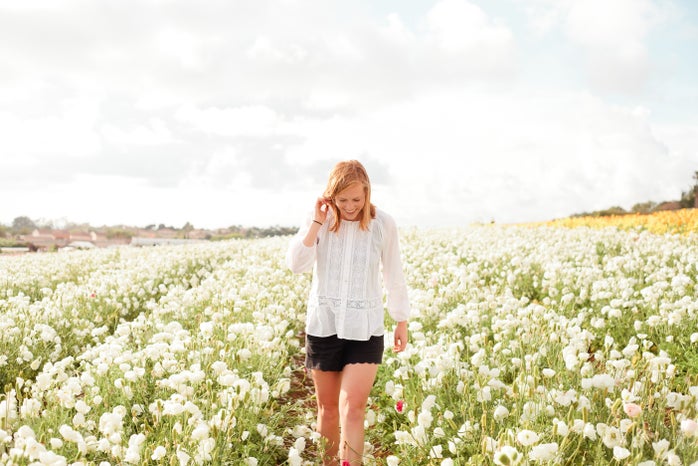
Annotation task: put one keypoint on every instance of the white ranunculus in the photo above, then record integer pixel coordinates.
(543, 453)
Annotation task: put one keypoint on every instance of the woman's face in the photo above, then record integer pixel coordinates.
(350, 201)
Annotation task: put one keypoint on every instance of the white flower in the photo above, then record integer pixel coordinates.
(610, 436)
(8, 406)
(200, 432)
(544, 452)
(31, 407)
(436, 451)
(620, 453)
(159, 453)
(133, 453)
(561, 427)
(589, 431)
(507, 456)
(219, 367)
(527, 437)
(110, 424)
(429, 403)
(392, 460)
(69, 434)
(603, 381)
(206, 329)
(500, 413)
(485, 394)
(661, 448)
(294, 457)
(55, 443)
(425, 419)
(33, 449)
(673, 459)
(548, 373)
(82, 407)
(183, 457)
(49, 458)
(489, 444)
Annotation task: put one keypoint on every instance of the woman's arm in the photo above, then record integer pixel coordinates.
(300, 256)
(393, 277)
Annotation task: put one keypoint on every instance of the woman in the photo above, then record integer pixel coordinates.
(345, 243)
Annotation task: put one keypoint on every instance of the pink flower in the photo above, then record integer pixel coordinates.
(689, 427)
(632, 409)
(346, 463)
(400, 406)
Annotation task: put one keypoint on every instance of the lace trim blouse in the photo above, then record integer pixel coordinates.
(346, 296)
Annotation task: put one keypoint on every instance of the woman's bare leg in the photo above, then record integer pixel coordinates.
(327, 387)
(356, 383)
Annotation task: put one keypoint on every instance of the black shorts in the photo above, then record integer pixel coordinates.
(332, 353)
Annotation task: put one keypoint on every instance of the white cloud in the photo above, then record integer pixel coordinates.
(458, 26)
(155, 132)
(265, 49)
(68, 133)
(620, 24)
(612, 36)
(201, 107)
(505, 156)
(255, 120)
(396, 31)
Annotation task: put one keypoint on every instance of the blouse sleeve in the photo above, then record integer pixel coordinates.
(393, 277)
(299, 257)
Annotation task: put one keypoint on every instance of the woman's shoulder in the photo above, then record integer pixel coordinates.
(383, 218)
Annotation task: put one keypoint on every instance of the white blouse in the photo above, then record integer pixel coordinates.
(346, 296)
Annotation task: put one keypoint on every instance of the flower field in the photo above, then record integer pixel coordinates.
(528, 346)
(681, 221)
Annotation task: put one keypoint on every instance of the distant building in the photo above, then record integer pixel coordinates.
(198, 234)
(45, 239)
(669, 205)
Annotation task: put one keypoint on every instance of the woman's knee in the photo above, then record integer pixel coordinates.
(352, 409)
(328, 410)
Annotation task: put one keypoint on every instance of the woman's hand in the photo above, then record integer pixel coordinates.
(319, 217)
(400, 337)
(321, 207)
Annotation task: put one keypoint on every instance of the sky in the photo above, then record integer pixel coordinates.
(233, 112)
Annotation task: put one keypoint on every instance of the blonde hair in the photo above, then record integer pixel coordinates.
(343, 175)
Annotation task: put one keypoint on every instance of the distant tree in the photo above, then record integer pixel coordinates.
(187, 228)
(72, 226)
(688, 198)
(113, 233)
(644, 207)
(3, 231)
(615, 210)
(23, 225)
(43, 224)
